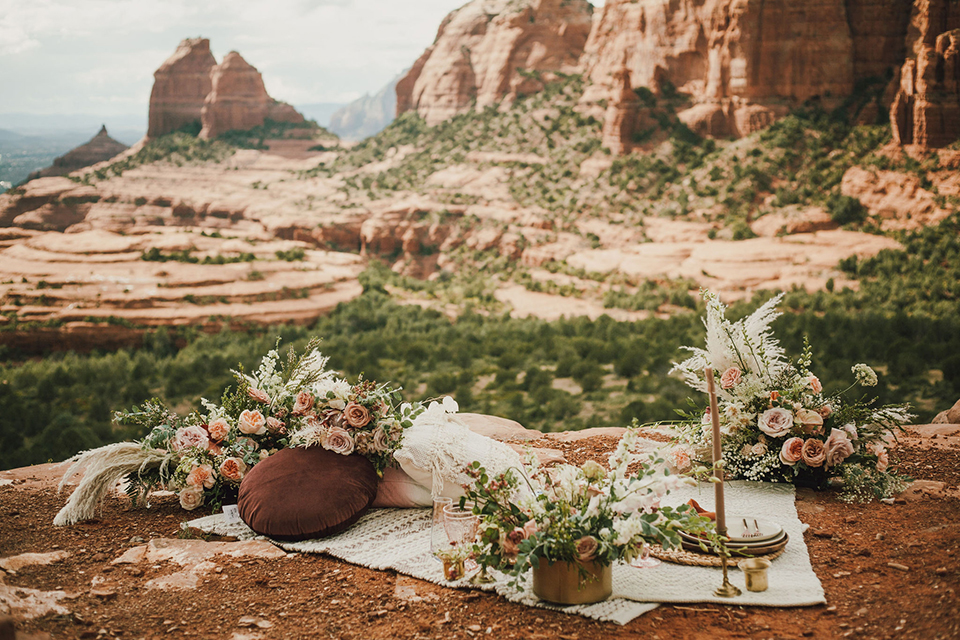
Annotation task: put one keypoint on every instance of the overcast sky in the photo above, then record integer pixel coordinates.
(98, 56)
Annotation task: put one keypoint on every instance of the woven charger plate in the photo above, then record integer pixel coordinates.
(679, 556)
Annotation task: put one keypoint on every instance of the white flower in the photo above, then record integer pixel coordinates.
(865, 375)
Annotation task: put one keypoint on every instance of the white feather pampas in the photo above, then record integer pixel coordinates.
(105, 467)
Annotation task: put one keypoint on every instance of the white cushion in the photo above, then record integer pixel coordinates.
(397, 489)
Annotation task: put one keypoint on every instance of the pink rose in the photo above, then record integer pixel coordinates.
(814, 383)
(838, 447)
(202, 476)
(883, 459)
(303, 403)
(258, 394)
(776, 422)
(813, 453)
(851, 430)
(252, 423)
(511, 543)
(587, 548)
(529, 528)
(356, 415)
(338, 440)
(218, 429)
(730, 378)
(233, 469)
(275, 426)
(191, 497)
(792, 451)
(187, 437)
(810, 422)
(825, 411)
(380, 441)
(760, 449)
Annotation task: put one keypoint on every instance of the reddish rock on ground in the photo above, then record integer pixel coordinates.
(487, 49)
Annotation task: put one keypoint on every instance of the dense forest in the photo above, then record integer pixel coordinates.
(904, 320)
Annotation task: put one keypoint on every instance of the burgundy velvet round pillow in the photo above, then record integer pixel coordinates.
(300, 494)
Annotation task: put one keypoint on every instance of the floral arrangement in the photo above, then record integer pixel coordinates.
(776, 423)
(577, 514)
(205, 455)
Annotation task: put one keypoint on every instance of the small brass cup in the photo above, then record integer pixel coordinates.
(755, 571)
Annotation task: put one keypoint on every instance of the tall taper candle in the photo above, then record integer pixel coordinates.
(717, 453)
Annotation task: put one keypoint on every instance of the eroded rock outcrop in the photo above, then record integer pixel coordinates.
(99, 148)
(191, 89)
(926, 110)
(744, 62)
(489, 50)
(180, 86)
(239, 100)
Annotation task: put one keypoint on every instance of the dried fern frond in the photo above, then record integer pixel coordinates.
(104, 468)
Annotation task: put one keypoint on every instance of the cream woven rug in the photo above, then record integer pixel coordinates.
(399, 539)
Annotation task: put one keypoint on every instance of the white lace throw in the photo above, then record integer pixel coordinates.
(399, 539)
(438, 447)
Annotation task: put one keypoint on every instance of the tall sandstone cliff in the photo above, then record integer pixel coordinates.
(238, 99)
(483, 51)
(926, 109)
(744, 62)
(180, 86)
(190, 87)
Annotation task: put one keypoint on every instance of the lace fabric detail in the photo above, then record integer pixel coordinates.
(441, 445)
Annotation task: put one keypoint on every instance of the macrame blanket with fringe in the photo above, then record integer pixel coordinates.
(399, 539)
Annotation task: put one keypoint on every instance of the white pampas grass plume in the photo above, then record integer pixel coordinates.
(104, 468)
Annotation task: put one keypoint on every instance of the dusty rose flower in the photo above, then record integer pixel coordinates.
(258, 394)
(813, 453)
(810, 422)
(511, 543)
(774, 395)
(530, 528)
(380, 441)
(760, 449)
(792, 451)
(681, 459)
(218, 429)
(187, 437)
(191, 497)
(338, 440)
(775, 422)
(275, 426)
(838, 447)
(825, 411)
(252, 423)
(587, 548)
(814, 383)
(746, 451)
(202, 476)
(233, 469)
(356, 415)
(303, 403)
(883, 459)
(730, 378)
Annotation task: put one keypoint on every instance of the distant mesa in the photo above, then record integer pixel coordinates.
(191, 90)
(368, 115)
(99, 149)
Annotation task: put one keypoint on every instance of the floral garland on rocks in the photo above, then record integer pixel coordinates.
(776, 423)
(293, 403)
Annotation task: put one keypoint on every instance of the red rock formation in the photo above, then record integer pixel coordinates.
(180, 86)
(99, 148)
(239, 100)
(926, 109)
(621, 117)
(484, 51)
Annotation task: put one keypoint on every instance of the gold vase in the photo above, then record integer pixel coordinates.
(562, 582)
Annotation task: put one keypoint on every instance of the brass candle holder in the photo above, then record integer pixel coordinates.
(726, 590)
